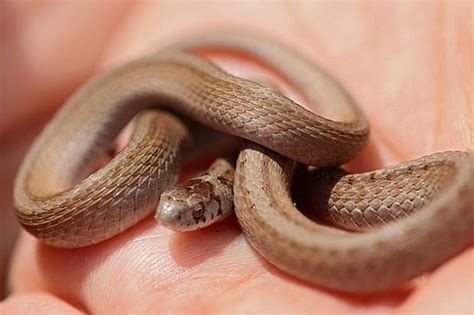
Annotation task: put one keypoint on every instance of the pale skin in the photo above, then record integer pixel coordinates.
(408, 65)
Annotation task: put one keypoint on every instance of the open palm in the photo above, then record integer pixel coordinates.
(408, 65)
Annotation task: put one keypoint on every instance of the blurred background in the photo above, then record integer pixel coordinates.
(409, 64)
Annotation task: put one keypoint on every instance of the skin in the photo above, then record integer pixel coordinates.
(148, 264)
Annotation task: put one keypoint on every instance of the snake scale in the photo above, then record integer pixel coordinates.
(414, 215)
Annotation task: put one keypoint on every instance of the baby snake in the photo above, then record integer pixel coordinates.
(55, 208)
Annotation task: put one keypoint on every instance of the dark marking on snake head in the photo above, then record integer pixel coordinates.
(201, 218)
(200, 187)
(226, 180)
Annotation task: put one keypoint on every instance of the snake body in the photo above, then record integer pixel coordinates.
(357, 262)
(54, 207)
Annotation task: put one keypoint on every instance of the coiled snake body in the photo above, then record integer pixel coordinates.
(54, 208)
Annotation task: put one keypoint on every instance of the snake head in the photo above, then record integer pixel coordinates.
(189, 206)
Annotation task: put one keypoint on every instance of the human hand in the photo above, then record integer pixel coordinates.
(385, 60)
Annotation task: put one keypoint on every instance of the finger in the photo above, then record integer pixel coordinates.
(154, 270)
(449, 290)
(145, 264)
(36, 303)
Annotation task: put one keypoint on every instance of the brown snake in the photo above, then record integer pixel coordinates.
(52, 206)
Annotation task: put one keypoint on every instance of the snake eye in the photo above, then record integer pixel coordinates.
(198, 211)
